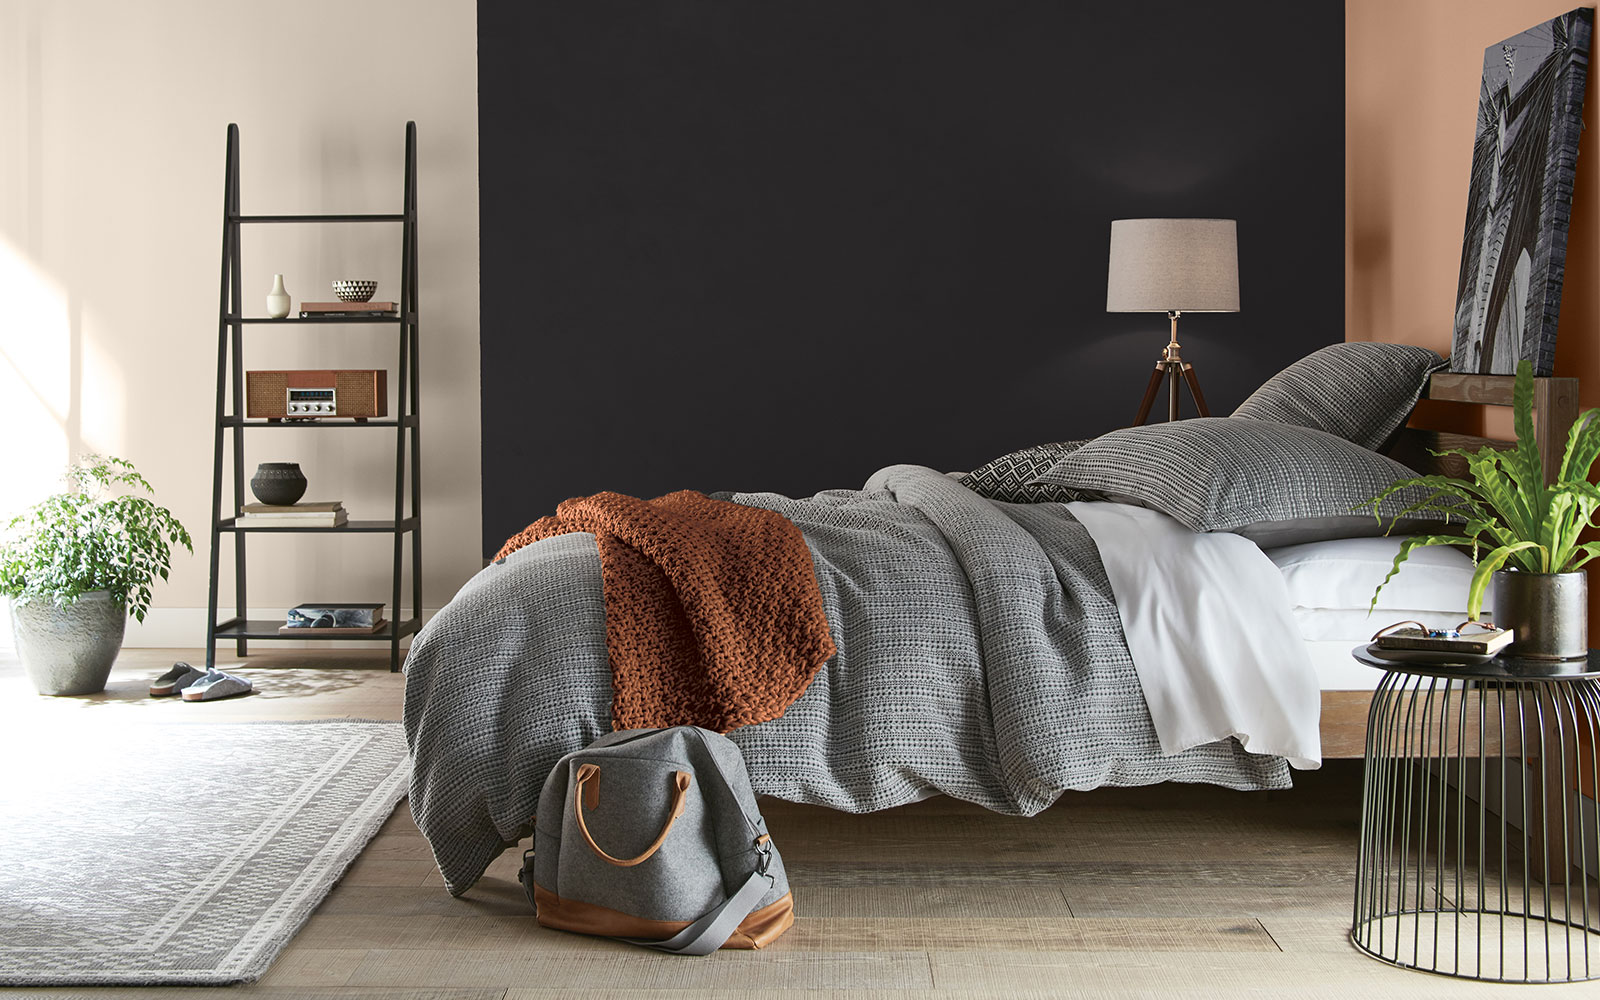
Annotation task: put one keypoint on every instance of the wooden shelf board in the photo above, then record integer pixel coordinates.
(267, 628)
(322, 217)
(410, 421)
(349, 527)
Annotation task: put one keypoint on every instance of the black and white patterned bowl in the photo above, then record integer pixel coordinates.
(354, 290)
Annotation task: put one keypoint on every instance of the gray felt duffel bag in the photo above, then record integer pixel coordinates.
(653, 836)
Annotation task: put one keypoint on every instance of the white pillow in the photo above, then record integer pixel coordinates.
(1343, 572)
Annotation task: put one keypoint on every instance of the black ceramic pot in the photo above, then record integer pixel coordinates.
(278, 483)
(1549, 613)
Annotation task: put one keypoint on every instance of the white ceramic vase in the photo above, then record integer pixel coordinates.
(278, 299)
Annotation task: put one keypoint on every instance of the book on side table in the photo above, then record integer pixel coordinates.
(1413, 642)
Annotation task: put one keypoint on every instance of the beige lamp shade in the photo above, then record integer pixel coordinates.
(1173, 265)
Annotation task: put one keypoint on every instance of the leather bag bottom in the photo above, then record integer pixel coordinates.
(758, 930)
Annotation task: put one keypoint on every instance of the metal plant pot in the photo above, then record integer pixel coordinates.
(69, 649)
(1549, 611)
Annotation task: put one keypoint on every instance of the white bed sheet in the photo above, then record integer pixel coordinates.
(1208, 621)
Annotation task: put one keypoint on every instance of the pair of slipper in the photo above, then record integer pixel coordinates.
(198, 685)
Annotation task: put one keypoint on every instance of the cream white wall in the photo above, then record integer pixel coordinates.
(112, 128)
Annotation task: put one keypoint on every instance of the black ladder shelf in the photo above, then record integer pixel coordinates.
(231, 322)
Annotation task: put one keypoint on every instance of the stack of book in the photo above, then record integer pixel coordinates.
(334, 619)
(314, 514)
(324, 310)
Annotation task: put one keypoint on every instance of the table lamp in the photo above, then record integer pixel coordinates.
(1173, 266)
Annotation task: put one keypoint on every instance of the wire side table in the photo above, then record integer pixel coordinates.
(1472, 859)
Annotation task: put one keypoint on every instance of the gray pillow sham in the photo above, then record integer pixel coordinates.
(1362, 392)
(1009, 477)
(1277, 484)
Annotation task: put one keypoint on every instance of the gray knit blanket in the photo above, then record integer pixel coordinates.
(980, 656)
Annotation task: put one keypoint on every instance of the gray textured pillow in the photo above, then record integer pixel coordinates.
(1277, 484)
(1009, 477)
(1360, 391)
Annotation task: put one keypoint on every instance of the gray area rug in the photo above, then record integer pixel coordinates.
(179, 853)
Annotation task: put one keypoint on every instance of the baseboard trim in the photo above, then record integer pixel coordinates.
(185, 628)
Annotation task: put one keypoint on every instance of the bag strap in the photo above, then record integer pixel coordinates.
(525, 876)
(712, 931)
(591, 773)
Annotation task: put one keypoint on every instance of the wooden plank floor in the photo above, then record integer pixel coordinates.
(1173, 891)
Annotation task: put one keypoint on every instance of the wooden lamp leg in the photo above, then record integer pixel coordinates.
(1171, 370)
(1150, 394)
(1194, 390)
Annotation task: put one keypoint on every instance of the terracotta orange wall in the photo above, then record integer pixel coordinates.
(1411, 97)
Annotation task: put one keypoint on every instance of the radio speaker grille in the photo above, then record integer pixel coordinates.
(360, 393)
(265, 394)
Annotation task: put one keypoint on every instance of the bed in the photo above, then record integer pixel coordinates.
(985, 651)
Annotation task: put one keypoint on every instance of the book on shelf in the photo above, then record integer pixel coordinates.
(353, 307)
(304, 507)
(334, 617)
(314, 310)
(331, 519)
(312, 632)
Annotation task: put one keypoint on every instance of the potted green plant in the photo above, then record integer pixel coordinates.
(76, 564)
(1524, 533)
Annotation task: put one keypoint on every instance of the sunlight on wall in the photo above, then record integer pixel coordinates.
(103, 385)
(36, 384)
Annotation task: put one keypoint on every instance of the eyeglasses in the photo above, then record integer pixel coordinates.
(1436, 633)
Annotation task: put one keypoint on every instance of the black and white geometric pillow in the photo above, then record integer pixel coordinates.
(1007, 478)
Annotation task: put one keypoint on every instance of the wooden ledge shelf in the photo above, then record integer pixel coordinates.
(1555, 410)
(1496, 390)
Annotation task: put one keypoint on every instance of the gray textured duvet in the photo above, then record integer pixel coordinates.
(980, 656)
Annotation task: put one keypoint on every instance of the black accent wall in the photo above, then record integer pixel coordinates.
(764, 245)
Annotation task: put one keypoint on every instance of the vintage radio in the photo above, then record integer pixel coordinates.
(309, 395)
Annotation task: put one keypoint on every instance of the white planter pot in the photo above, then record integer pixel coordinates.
(69, 649)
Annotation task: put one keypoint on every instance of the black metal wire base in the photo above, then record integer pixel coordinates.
(1469, 808)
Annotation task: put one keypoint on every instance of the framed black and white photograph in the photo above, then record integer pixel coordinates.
(1513, 256)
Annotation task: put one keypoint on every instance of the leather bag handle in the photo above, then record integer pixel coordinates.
(591, 773)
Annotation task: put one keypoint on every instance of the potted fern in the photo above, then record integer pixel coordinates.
(1524, 534)
(76, 565)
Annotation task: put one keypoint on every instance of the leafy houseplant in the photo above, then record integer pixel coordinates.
(76, 564)
(1526, 526)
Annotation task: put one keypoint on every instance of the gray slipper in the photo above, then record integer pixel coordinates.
(175, 680)
(216, 684)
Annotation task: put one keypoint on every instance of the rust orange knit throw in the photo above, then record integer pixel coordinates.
(713, 616)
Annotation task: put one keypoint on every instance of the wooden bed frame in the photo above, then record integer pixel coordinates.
(1555, 403)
